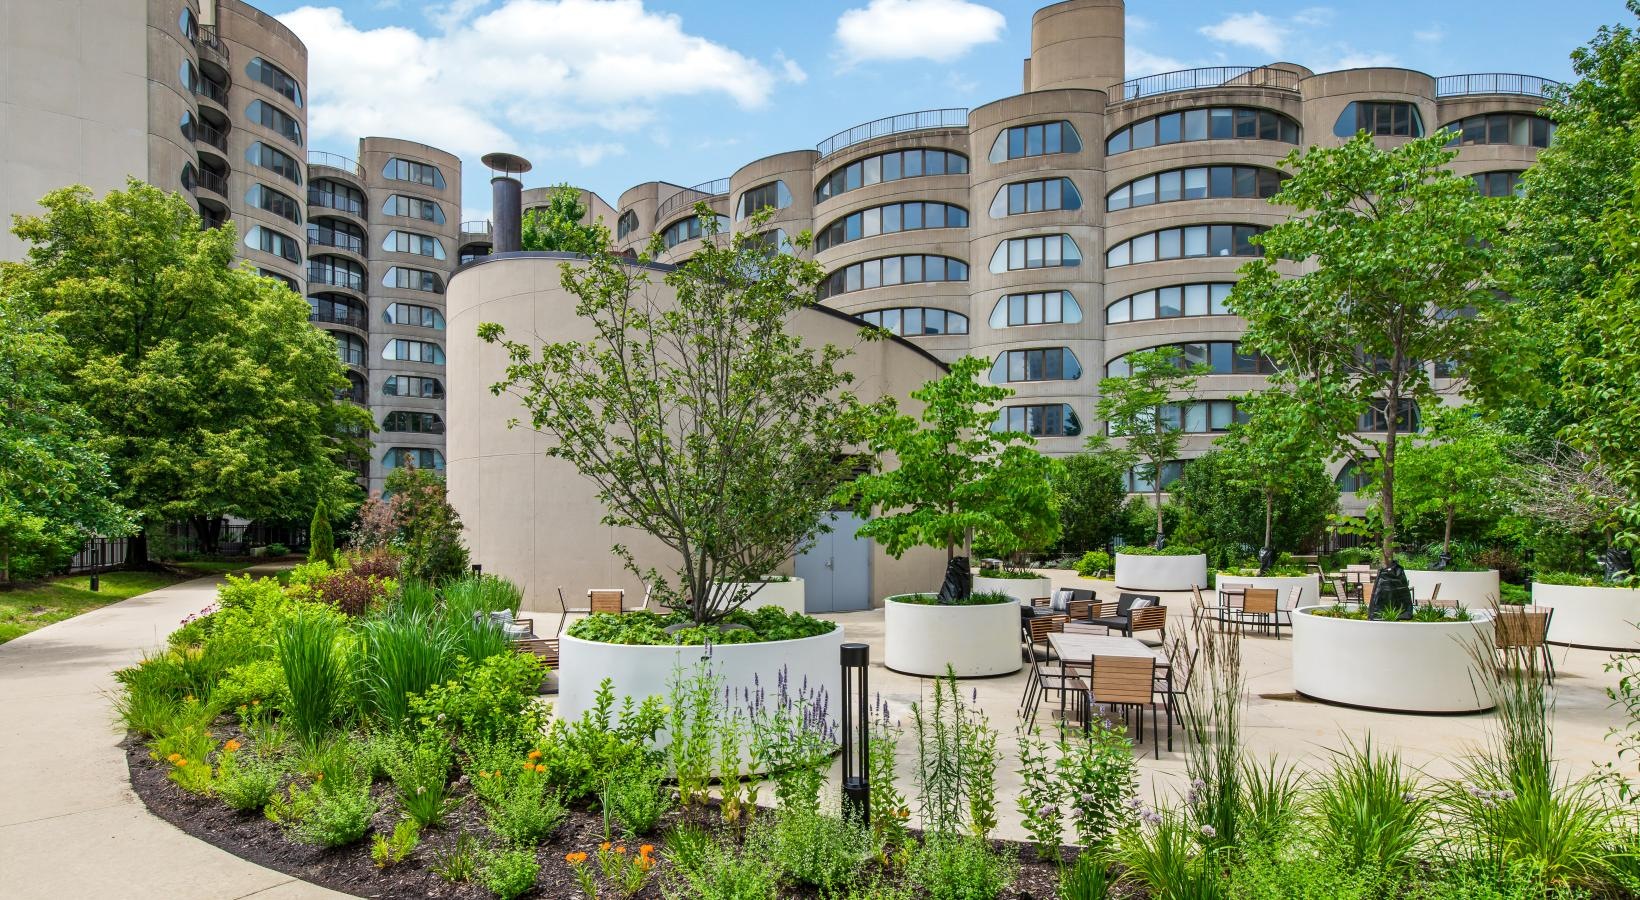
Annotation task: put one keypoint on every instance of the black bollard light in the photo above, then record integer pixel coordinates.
(856, 658)
(478, 569)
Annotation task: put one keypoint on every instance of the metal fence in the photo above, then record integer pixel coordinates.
(1494, 83)
(911, 121)
(99, 553)
(706, 190)
(1199, 79)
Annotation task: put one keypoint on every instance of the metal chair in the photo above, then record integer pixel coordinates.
(1043, 675)
(1173, 682)
(1038, 629)
(1259, 607)
(1525, 629)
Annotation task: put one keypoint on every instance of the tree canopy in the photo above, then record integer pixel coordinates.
(212, 393)
(1092, 488)
(1142, 409)
(561, 226)
(1457, 471)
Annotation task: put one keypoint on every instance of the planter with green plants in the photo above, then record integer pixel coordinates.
(1431, 663)
(786, 592)
(1174, 568)
(1022, 586)
(1282, 579)
(975, 637)
(1589, 612)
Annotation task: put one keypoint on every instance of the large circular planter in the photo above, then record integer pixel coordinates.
(1599, 618)
(1160, 573)
(1022, 589)
(1417, 667)
(645, 671)
(974, 641)
(789, 595)
(1475, 590)
(1309, 586)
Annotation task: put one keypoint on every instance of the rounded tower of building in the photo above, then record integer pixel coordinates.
(1077, 44)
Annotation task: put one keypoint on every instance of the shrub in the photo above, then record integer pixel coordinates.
(1371, 812)
(702, 871)
(321, 539)
(421, 775)
(189, 754)
(380, 563)
(260, 680)
(488, 702)
(390, 850)
(428, 528)
(329, 816)
(314, 674)
(1266, 875)
(1097, 777)
(951, 867)
(1094, 564)
(1509, 566)
(401, 656)
(641, 627)
(350, 592)
(577, 755)
(637, 798)
(1170, 550)
(246, 781)
(1008, 573)
(1091, 488)
(524, 809)
(276, 549)
(509, 873)
(813, 849)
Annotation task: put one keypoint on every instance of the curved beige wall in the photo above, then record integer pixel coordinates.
(535, 519)
(1077, 44)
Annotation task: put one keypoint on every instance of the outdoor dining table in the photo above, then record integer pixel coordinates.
(1076, 647)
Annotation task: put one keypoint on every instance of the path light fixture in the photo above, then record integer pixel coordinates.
(856, 658)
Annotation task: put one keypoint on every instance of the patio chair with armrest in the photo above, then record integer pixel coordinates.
(1115, 615)
(1037, 631)
(1148, 618)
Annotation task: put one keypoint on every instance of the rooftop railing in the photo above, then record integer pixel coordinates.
(911, 121)
(690, 196)
(335, 161)
(1494, 83)
(210, 45)
(476, 226)
(1200, 79)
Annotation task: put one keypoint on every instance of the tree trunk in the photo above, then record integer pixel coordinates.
(136, 550)
(1269, 514)
(208, 529)
(1386, 493)
(1446, 537)
(1156, 485)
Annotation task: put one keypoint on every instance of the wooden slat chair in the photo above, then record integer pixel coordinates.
(1082, 608)
(1259, 607)
(1148, 618)
(1037, 631)
(1041, 602)
(1125, 682)
(1435, 597)
(605, 600)
(1525, 630)
(1115, 615)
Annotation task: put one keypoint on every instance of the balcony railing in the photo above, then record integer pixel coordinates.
(351, 318)
(1200, 79)
(205, 87)
(210, 45)
(688, 197)
(216, 137)
(339, 241)
(1494, 83)
(335, 279)
(911, 121)
(211, 181)
(479, 227)
(335, 161)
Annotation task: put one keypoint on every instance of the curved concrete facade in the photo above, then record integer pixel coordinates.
(535, 519)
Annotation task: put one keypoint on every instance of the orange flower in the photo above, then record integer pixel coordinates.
(621, 849)
(528, 764)
(319, 777)
(540, 768)
(231, 746)
(645, 863)
(604, 847)
(256, 703)
(181, 763)
(575, 858)
(647, 849)
(535, 754)
(173, 757)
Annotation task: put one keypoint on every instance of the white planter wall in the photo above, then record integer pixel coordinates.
(1422, 667)
(643, 671)
(1160, 573)
(1309, 586)
(1475, 590)
(1601, 618)
(788, 595)
(975, 641)
(1022, 589)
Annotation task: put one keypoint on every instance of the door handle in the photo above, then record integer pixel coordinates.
(829, 564)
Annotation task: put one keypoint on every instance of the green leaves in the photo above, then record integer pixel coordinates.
(954, 476)
(1140, 409)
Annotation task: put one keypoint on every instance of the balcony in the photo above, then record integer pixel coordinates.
(688, 197)
(352, 318)
(211, 135)
(210, 46)
(912, 121)
(211, 181)
(475, 230)
(331, 278)
(1203, 79)
(340, 241)
(338, 162)
(210, 90)
(1494, 83)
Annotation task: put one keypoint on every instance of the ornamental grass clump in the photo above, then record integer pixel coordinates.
(401, 655)
(314, 674)
(1372, 813)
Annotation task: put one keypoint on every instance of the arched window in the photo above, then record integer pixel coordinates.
(1172, 302)
(1351, 479)
(1196, 183)
(275, 161)
(891, 166)
(1035, 308)
(1043, 252)
(1376, 418)
(349, 347)
(413, 208)
(1041, 195)
(689, 229)
(413, 351)
(410, 279)
(1220, 358)
(280, 204)
(891, 270)
(275, 78)
(1188, 242)
(413, 386)
(773, 195)
(890, 219)
(1040, 364)
(626, 224)
(1197, 417)
(1217, 123)
(1519, 129)
(413, 314)
(267, 240)
(428, 174)
(916, 321)
(1039, 139)
(418, 457)
(411, 242)
(269, 116)
(1382, 118)
(1139, 478)
(1499, 184)
(413, 422)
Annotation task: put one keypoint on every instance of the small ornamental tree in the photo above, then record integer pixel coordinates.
(561, 225)
(695, 411)
(428, 530)
(955, 480)
(1143, 412)
(321, 539)
(1458, 466)
(1398, 257)
(1276, 452)
(1092, 489)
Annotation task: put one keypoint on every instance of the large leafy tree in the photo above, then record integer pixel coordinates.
(1092, 488)
(1278, 454)
(212, 393)
(1399, 259)
(1142, 410)
(1223, 505)
(1458, 470)
(561, 225)
(55, 487)
(956, 480)
(697, 413)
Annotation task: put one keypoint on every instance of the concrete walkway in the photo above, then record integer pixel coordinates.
(70, 826)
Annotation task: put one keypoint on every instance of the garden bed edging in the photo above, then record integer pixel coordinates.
(1591, 616)
(1475, 590)
(1022, 589)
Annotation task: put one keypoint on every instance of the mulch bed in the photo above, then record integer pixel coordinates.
(349, 869)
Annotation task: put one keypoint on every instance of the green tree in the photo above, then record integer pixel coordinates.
(1277, 453)
(212, 393)
(698, 415)
(427, 530)
(1399, 258)
(1091, 489)
(1223, 506)
(561, 225)
(956, 481)
(1458, 469)
(321, 538)
(1142, 410)
(55, 487)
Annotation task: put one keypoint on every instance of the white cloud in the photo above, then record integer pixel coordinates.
(1142, 62)
(1313, 17)
(789, 69)
(1254, 29)
(586, 154)
(940, 30)
(1136, 24)
(1357, 59)
(508, 78)
(1434, 34)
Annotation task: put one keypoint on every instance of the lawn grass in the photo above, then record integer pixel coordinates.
(216, 566)
(26, 609)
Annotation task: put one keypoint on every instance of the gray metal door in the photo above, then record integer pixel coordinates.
(836, 571)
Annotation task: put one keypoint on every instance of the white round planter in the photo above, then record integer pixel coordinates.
(974, 641)
(1160, 573)
(1309, 586)
(1022, 589)
(645, 671)
(1599, 618)
(1475, 590)
(788, 595)
(1420, 667)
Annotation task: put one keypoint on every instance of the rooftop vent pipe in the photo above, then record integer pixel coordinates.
(507, 197)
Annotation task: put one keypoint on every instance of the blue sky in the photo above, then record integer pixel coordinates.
(605, 94)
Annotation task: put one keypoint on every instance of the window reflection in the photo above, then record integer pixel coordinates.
(1219, 123)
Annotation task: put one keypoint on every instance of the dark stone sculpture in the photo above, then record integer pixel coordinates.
(1391, 595)
(1266, 559)
(1616, 563)
(959, 582)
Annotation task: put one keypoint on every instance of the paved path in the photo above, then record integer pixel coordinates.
(70, 826)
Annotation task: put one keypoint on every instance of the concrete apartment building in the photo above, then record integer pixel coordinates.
(209, 98)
